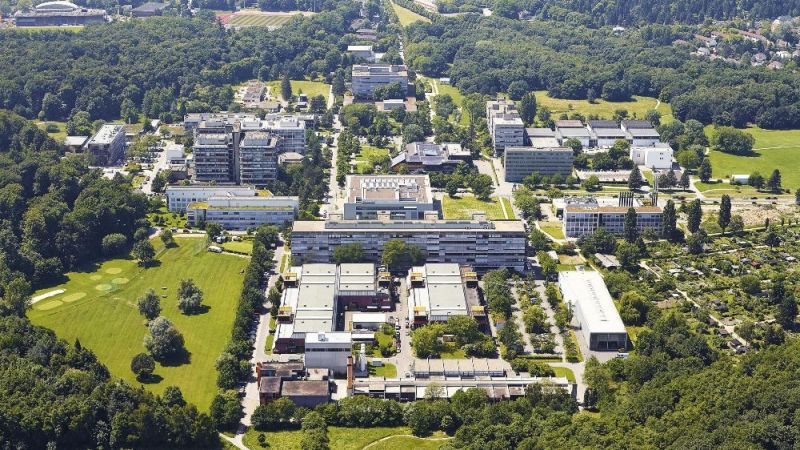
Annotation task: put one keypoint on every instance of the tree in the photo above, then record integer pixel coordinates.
(114, 244)
(149, 305)
(517, 89)
(732, 140)
(633, 308)
(684, 182)
(413, 133)
(592, 183)
(635, 180)
(695, 216)
(575, 145)
(143, 366)
(213, 230)
(173, 396)
(348, 253)
(705, 170)
(527, 108)
(338, 84)
(190, 297)
(774, 182)
(163, 339)
(628, 255)
(425, 340)
(631, 229)
(653, 116)
(396, 255)
(756, 180)
(286, 88)
(226, 410)
(167, 238)
(228, 370)
(144, 252)
(482, 186)
(724, 218)
(797, 197)
(737, 224)
(787, 312)
(315, 432)
(669, 219)
(696, 242)
(17, 297)
(272, 415)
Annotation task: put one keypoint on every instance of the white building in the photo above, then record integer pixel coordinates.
(328, 350)
(363, 52)
(401, 196)
(242, 212)
(641, 133)
(368, 77)
(368, 320)
(505, 125)
(107, 146)
(658, 157)
(573, 129)
(584, 215)
(438, 291)
(291, 129)
(601, 327)
(175, 154)
(179, 197)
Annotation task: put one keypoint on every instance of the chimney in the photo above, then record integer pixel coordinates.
(350, 373)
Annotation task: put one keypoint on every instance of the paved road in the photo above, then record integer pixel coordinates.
(405, 357)
(158, 165)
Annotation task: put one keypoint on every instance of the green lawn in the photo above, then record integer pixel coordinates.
(268, 344)
(564, 372)
(456, 353)
(406, 16)
(605, 110)
(409, 442)
(774, 149)
(58, 135)
(719, 189)
(340, 438)
(368, 157)
(98, 307)
(554, 229)
(310, 88)
(462, 208)
(455, 94)
(170, 220)
(386, 371)
(245, 247)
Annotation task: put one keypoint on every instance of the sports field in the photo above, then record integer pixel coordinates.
(638, 107)
(406, 16)
(98, 307)
(774, 149)
(256, 18)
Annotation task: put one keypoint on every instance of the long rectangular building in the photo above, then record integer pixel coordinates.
(368, 77)
(600, 324)
(481, 244)
(582, 216)
(241, 213)
(519, 162)
(438, 291)
(401, 196)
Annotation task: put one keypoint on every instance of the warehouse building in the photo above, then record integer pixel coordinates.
(601, 327)
(479, 243)
(401, 196)
(519, 162)
(438, 291)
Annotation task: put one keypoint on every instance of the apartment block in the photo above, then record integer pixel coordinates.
(367, 77)
(107, 146)
(257, 162)
(505, 125)
(479, 243)
(519, 162)
(401, 196)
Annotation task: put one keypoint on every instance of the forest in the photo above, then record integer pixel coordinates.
(486, 55)
(161, 67)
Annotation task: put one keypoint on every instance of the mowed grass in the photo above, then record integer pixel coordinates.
(409, 442)
(564, 372)
(637, 107)
(59, 135)
(99, 308)
(340, 438)
(259, 20)
(462, 208)
(369, 156)
(554, 229)
(406, 16)
(774, 149)
(245, 247)
(310, 88)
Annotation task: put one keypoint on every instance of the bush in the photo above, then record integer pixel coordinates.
(114, 244)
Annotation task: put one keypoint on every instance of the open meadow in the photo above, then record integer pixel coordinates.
(98, 307)
(637, 107)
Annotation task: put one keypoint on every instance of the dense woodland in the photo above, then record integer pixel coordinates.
(162, 67)
(486, 55)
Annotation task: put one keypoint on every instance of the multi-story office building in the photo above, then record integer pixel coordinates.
(291, 129)
(107, 146)
(479, 243)
(584, 215)
(243, 212)
(519, 162)
(401, 196)
(505, 125)
(180, 197)
(213, 156)
(368, 77)
(257, 158)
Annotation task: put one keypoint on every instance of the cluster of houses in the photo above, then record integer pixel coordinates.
(772, 55)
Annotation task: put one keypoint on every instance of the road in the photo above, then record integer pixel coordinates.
(150, 174)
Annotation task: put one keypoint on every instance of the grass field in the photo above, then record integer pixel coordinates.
(346, 439)
(386, 371)
(310, 88)
(60, 134)
(637, 107)
(99, 308)
(462, 208)
(170, 220)
(259, 19)
(774, 149)
(554, 229)
(408, 442)
(455, 94)
(239, 247)
(368, 157)
(564, 372)
(406, 16)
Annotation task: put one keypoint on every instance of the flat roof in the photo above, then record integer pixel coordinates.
(443, 292)
(367, 226)
(568, 124)
(611, 209)
(106, 134)
(388, 188)
(587, 292)
(305, 388)
(573, 132)
(643, 132)
(369, 317)
(555, 149)
(333, 337)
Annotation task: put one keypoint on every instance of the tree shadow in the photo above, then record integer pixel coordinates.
(178, 359)
(151, 264)
(153, 378)
(202, 309)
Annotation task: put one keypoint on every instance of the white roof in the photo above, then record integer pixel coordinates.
(359, 48)
(443, 292)
(336, 337)
(587, 292)
(369, 317)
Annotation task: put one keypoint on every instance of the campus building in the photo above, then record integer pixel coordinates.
(257, 162)
(361, 52)
(601, 327)
(584, 215)
(420, 157)
(58, 13)
(107, 146)
(438, 291)
(505, 125)
(401, 196)
(234, 212)
(640, 133)
(519, 162)
(573, 129)
(367, 77)
(605, 133)
(658, 157)
(479, 243)
(290, 128)
(329, 350)
(180, 197)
